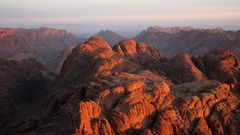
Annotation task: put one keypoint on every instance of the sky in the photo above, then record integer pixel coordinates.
(216, 13)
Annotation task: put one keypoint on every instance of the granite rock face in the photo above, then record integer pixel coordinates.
(223, 65)
(132, 88)
(220, 64)
(181, 69)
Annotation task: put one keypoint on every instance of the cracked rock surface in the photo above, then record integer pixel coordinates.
(131, 88)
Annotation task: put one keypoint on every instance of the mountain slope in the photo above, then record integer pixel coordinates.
(178, 40)
(44, 44)
(24, 84)
(127, 89)
(110, 36)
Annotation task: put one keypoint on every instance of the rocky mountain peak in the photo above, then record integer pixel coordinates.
(97, 42)
(130, 89)
(169, 30)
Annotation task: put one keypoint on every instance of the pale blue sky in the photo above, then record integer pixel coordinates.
(121, 12)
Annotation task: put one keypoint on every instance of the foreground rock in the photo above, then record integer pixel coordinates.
(202, 107)
(105, 90)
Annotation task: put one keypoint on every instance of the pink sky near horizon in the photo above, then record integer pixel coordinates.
(120, 12)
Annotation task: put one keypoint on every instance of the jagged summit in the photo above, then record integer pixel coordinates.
(169, 30)
(175, 30)
(177, 40)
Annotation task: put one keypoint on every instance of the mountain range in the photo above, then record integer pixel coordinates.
(55, 83)
(44, 44)
(177, 40)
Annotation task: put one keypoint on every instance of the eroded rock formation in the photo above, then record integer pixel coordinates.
(128, 89)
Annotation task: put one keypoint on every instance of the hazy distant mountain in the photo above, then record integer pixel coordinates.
(44, 44)
(110, 36)
(186, 39)
(85, 30)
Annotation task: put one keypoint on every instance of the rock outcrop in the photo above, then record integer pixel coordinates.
(111, 90)
(222, 65)
(182, 70)
(201, 107)
(145, 56)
